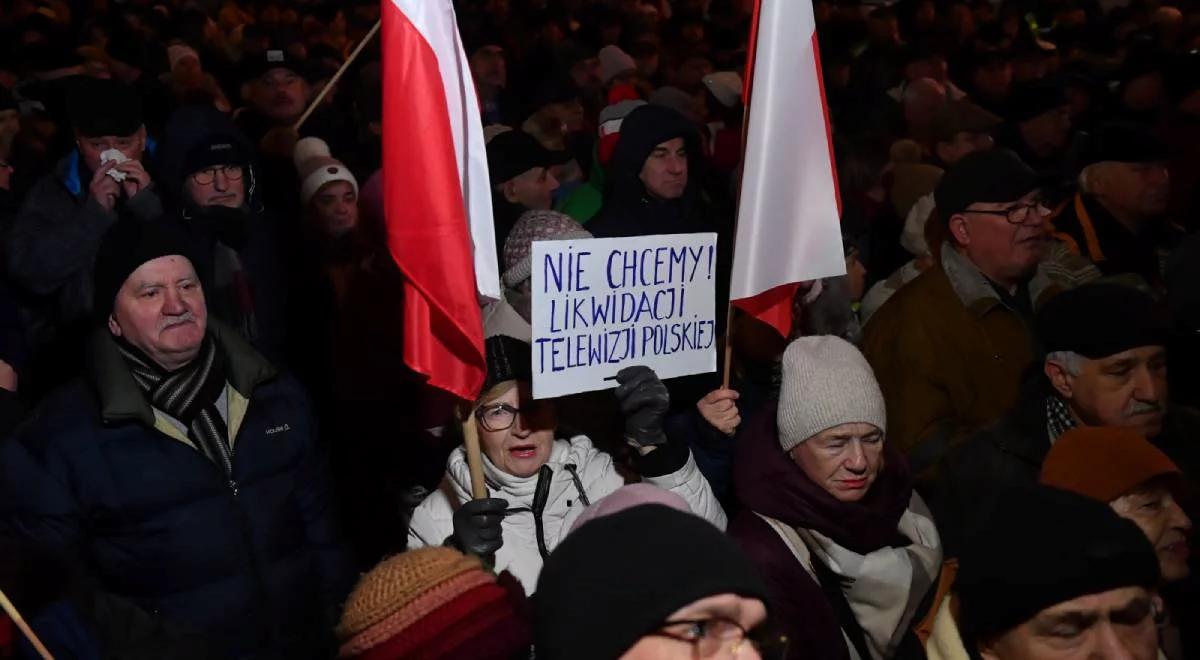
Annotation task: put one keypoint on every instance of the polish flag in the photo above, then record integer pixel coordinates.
(789, 211)
(436, 195)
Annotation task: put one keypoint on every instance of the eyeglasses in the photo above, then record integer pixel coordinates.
(1018, 214)
(501, 416)
(719, 637)
(206, 175)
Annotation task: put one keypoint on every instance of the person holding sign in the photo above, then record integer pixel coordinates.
(538, 481)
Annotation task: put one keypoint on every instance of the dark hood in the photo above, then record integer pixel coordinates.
(767, 481)
(189, 127)
(644, 129)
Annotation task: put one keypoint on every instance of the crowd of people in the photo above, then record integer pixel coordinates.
(980, 442)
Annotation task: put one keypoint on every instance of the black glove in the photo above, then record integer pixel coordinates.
(644, 401)
(477, 526)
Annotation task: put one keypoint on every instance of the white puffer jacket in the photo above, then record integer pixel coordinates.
(582, 474)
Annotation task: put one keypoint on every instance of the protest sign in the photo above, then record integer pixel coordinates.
(603, 304)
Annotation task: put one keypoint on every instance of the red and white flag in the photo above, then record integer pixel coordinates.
(789, 213)
(436, 195)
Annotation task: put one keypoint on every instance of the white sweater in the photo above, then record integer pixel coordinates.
(433, 521)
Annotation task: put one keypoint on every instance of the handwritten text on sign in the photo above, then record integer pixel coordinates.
(603, 304)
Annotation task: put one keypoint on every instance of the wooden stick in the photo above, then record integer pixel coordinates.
(474, 458)
(728, 346)
(336, 77)
(16, 617)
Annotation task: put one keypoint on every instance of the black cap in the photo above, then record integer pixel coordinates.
(507, 359)
(127, 245)
(1124, 142)
(101, 107)
(1035, 99)
(1101, 319)
(1040, 547)
(275, 58)
(512, 153)
(988, 177)
(215, 150)
(590, 606)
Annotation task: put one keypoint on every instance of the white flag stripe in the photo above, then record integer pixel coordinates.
(788, 225)
(435, 20)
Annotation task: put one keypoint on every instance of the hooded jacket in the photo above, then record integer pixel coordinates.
(249, 232)
(627, 209)
(580, 475)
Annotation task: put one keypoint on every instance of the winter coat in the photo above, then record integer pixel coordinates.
(1089, 230)
(51, 247)
(106, 482)
(582, 474)
(836, 571)
(949, 355)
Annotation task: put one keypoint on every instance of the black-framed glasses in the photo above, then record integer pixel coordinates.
(1018, 214)
(501, 416)
(719, 637)
(206, 175)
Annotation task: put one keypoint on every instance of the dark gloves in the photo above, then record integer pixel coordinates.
(477, 526)
(644, 401)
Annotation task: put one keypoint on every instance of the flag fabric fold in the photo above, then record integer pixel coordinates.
(789, 228)
(436, 196)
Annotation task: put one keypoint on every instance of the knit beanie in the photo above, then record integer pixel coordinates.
(614, 62)
(1104, 463)
(535, 226)
(611, 118)
(726, 87)
(826, 383)
(1043, 546)
(627, 497)
(594, 602)
(431, 603)
(508, 358)
(123, 249)
(317, 167)
(177, 52)
(1100, 319)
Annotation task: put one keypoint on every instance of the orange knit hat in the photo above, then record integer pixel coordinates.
(431, 603)
(1103, 463)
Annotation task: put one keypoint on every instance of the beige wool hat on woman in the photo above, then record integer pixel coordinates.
(826, 383)
(317, 167)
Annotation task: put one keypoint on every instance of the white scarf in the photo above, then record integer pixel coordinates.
(885, 587)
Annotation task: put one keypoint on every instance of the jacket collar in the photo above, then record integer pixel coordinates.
(974, 289)
(122, 400)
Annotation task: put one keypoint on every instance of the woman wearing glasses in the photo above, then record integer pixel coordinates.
(539, 481)
(848, 549)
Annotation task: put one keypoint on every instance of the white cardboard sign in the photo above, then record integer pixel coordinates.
(602, 304)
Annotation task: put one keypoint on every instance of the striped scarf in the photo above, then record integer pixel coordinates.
(190, 395)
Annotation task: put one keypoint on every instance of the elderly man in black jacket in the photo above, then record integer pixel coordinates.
(183, 472)
(1105, 365)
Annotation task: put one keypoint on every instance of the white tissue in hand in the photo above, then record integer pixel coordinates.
(112, 155)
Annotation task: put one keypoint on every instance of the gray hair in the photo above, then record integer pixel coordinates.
(1070, 361)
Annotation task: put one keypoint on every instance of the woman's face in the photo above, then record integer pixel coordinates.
(524, 446)
(844, 460)
(335, 209)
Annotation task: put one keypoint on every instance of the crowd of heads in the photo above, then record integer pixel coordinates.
(977, 442)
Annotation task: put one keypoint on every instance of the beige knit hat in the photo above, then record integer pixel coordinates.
(826, 383)
(317, 167)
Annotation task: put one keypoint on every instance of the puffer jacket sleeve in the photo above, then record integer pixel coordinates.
(53, 239)
(432, 521)
(35, 502)
(672, 467)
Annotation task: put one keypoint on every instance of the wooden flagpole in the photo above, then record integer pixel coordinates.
(336, 77)
(474, 456)
(17, 619)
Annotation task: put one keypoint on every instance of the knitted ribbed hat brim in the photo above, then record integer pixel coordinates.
(397, 581)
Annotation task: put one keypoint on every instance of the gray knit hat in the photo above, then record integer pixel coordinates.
(535, 226)
(826, 383)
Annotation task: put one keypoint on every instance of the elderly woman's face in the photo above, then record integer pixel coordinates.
(516, 432)
(844, 460)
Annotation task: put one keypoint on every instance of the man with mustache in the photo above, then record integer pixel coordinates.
(1117, 219)
(1105, 365)
(182, 474)
(949, 347)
